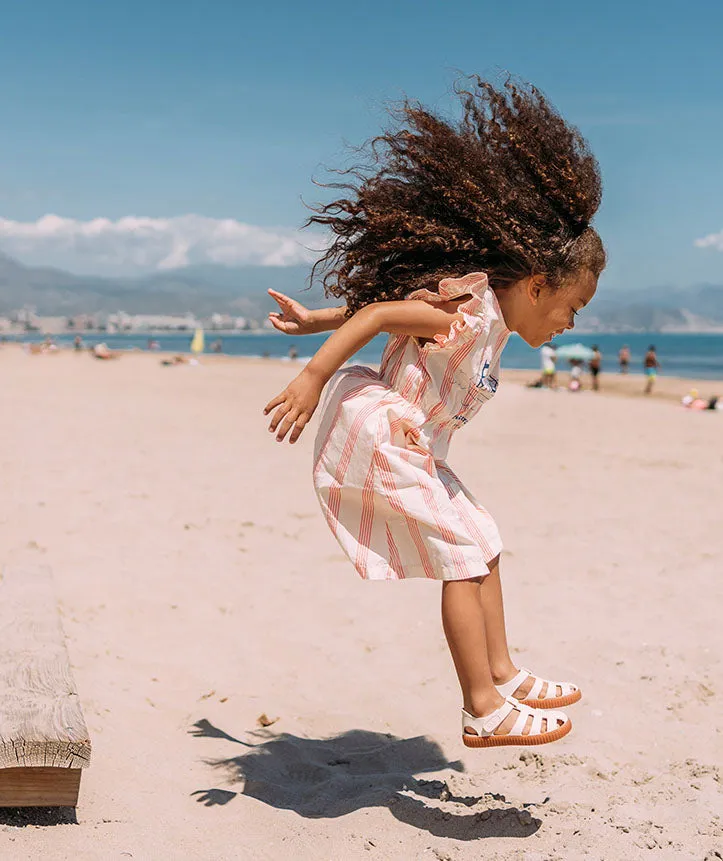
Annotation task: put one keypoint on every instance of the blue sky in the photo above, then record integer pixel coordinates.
(225, 110)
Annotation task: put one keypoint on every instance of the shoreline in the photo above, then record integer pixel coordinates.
(667, 388)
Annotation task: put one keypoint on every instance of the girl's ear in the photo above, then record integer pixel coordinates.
(535, 286)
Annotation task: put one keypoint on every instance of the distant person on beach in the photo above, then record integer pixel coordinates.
(624, 359)
(217, 346)
(548, 358)
(595, 366)
(78, 344)
(47, 345)
(178, 359)
(651, 366)
(694, 402)
(446, 245)
(101, 351)
(152, 344)
(575, 383)
(293, 352)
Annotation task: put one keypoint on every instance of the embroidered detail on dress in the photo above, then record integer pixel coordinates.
(486, 380)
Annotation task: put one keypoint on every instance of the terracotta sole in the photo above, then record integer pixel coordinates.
(555, 702)
(499, 740)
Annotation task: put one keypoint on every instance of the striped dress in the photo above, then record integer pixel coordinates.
(380, 470)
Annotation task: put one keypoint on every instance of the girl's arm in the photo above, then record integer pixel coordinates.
(296, 319)
(297, 403)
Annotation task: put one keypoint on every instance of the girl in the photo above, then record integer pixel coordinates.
(455, 235)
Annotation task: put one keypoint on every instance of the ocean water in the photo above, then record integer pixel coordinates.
(694, 356)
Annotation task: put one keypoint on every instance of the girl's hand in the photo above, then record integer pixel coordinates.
(295, 405)
(294, 318)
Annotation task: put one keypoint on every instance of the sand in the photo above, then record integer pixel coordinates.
(200, 590)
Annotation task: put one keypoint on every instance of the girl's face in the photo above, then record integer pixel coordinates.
(539, 312)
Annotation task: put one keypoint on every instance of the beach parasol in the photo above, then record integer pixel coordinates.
(197, 344)
(577, 352)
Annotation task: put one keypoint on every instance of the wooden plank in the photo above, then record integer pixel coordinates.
(39, 787)
(41, 723)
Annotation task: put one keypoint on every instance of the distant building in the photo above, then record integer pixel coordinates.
(51, 325)
(83, 322)
(119, 322)
(220, 321)
(26, 318)
(169, 322)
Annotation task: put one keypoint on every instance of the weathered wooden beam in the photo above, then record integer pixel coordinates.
(39, 787)
(44, 742)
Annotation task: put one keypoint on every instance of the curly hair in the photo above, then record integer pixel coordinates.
(510, 189)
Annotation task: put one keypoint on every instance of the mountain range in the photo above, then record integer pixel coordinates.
(201, 290)
(241, 291)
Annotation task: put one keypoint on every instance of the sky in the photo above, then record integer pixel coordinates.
(148, 135)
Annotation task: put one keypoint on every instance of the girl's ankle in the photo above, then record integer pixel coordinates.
(503, 673)
(483, 705)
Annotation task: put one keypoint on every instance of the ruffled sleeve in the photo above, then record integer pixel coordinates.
(473, 310)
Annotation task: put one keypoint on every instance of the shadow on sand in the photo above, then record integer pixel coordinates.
(19, 817)
(326, 778)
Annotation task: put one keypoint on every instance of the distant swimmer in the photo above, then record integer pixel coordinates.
(651, 366)
(624, 359)
(595, 367)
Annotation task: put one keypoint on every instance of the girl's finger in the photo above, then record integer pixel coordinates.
(300, 425)
(274, 402)
(279, 324)
(278, 415)
(286, 301)
(286, 425)
(281, 298)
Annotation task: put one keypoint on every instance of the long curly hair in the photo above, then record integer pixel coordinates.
(509, 189)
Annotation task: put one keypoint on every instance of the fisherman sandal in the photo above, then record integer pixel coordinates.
(542, 694)
(480, 731)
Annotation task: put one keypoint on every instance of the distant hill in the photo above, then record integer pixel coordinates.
(199, 289)
(206, 289)
(657, 309)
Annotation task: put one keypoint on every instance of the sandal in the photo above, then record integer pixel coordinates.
(480, 731)
(536, 697)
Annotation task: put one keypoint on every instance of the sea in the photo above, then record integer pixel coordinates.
(698, 356)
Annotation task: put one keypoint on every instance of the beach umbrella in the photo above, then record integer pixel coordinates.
(197, 344)
(578, 352)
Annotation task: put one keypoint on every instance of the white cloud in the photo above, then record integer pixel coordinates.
(136, 243)
(713, 240)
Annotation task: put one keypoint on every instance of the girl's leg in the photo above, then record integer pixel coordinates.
(502, 668)
(464, 627)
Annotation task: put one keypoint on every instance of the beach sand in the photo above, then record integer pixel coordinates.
(200, 589)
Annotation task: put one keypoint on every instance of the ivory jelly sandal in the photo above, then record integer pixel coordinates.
(480, 731)
(551, 699)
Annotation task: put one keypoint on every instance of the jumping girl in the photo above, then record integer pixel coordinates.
(455, 235)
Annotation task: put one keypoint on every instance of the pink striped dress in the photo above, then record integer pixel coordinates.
(380, 470)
